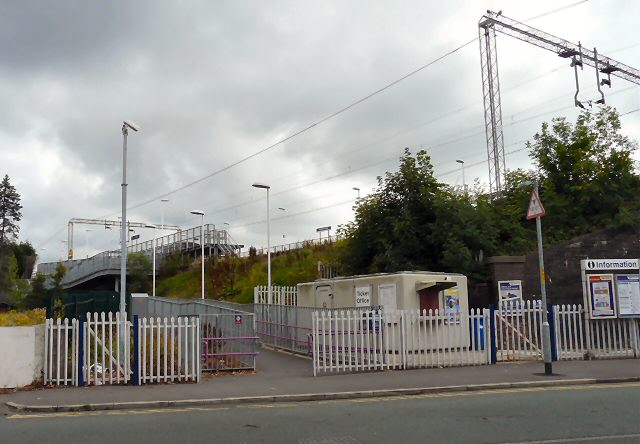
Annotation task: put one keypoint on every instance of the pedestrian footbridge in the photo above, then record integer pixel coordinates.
(104, 268)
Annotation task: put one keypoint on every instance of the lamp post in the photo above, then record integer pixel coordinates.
(201, 214)
(154, 257)
(358, 190)
(267, 187)
(464, 183)
(126, 125)
(162, 202)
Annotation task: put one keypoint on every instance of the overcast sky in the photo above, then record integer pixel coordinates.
(211, 82)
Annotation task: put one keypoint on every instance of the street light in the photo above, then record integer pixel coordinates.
(126, 126)
(154, 256)
(162, 201)
(358, 190)
(464, 183)
(267, 187)
(284, 235)
(201, 214)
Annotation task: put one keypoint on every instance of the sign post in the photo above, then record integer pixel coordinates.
(536, 211)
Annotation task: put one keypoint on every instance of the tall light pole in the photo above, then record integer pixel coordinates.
(464, 182)
(284, 235)
(154, 257)
(267, 187)
(126, 125)
(358, 190)
(162, 202)
(201, 214)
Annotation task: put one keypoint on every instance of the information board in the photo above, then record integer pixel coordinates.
(509, 291)
(363, 296)
(387, 297)
(601, 296)
(628, 292)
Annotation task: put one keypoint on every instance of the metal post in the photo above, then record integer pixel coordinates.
(80, 369)
(492, 333)
(202, 252)
(464, 181)
(123, 239)
(268, 249)
(546, 334)
(154, 262)
(136, 347)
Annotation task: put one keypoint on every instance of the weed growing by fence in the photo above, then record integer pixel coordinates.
(15, 318)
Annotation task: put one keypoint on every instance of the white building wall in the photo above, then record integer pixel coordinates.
(22, 355)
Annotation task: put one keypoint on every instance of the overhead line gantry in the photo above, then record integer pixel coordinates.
(493, 22)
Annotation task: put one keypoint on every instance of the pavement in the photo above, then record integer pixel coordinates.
(282, 377)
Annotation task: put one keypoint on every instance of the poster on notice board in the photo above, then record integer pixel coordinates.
(628, 291)
(452, 305)
(509, 291)
(601, 296)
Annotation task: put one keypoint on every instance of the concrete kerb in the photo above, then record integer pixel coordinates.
(363, 394)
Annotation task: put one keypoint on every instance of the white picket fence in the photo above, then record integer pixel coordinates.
(169, 349)
(98, 351)
(362, 340)
(61, 352)
(518, 331)
(577, 338)
(107, 357)
(279, 295)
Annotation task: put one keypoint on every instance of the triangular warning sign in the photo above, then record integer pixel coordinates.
(535, 206)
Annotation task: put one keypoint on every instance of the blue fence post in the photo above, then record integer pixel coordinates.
(136, 344)
(80, 350)
(492, 332)
(552, 332)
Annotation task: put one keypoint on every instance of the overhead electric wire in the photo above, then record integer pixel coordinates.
(334, 114)
(322, 120)
(429, 147)
(325, 207)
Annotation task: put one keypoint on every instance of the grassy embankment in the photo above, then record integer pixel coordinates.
(233, 279)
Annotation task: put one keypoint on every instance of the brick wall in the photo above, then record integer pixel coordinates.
(562, 264)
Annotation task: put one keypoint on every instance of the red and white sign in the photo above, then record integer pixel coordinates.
(535, 206)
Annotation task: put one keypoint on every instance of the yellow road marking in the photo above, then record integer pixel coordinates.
(332, 401)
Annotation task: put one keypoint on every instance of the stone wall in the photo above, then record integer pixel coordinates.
(562, 264)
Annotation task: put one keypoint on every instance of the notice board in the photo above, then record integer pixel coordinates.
(628, 292)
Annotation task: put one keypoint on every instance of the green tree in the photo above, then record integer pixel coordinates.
(38, 295)
(139, 268)
(25, 256)
(57, 277)
(8, 275)
(9, 211)
(414, 222)
(587, 174)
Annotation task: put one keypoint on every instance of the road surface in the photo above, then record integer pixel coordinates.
(594, 413)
